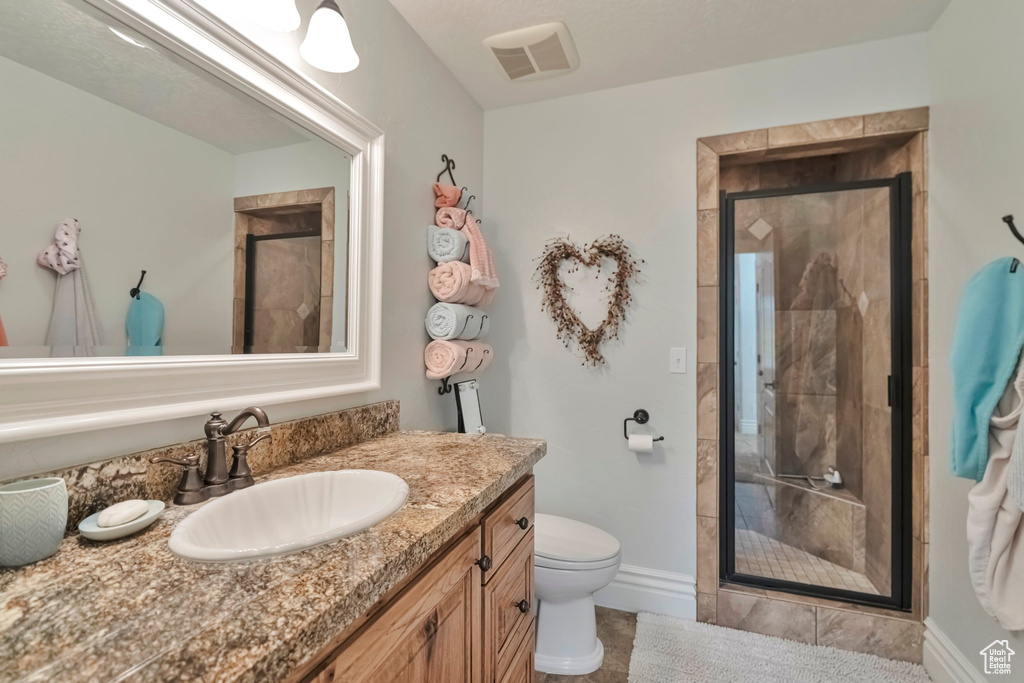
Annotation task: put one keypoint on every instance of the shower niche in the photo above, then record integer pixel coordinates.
(816, 402)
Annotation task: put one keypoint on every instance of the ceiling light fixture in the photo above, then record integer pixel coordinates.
(275, 15)
(328, 43)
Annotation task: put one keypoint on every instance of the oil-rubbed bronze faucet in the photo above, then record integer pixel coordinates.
(218, 481)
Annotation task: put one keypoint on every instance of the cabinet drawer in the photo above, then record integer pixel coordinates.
(510, 605)
(521, 668)
(503, 526)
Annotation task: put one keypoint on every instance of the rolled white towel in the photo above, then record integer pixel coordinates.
(446, 244)
(456, 321)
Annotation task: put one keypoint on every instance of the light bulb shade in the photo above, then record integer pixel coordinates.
(328, 44)
(274, 15)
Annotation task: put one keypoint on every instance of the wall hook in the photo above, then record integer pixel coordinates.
(641, 417)
(445, 387)
(449, 166)
(1008, 219)
(134, 291)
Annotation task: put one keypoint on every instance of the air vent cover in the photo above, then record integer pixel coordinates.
(535, 52)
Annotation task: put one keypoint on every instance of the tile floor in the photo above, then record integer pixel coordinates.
(762, 556)
(616, 630)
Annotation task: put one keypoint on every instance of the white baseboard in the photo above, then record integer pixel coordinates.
(638, 589)
(747, 426)
(944, 662)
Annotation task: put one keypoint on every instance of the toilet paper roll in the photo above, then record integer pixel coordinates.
(641, 443)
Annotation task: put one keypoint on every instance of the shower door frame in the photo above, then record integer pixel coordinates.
(900, 394)
(250, 276)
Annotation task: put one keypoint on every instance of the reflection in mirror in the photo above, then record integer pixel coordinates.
(117, 157)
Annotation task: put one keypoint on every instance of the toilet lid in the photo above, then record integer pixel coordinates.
(558, 538)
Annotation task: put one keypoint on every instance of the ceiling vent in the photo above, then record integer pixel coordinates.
(535, 52)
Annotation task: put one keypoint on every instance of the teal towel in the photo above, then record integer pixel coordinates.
(145, 326)
(987, 343)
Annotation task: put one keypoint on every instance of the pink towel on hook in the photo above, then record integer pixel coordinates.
(480, 257)
(446, 358)
(452, 283)
(447, 195)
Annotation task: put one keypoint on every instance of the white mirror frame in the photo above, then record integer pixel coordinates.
(51, 396)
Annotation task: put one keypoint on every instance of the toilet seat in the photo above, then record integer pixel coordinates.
(561, 543)
(568, 565)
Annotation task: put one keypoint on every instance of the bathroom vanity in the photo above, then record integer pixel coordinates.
(473, 605)
(442, 590)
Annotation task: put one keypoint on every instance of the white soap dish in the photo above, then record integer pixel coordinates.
(89, 528)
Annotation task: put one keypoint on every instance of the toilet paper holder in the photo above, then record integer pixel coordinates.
(641, 417)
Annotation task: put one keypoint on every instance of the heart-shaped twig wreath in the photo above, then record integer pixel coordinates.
(571, 329)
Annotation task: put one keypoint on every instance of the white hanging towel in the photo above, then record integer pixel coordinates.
(74, 326)
(995, 535)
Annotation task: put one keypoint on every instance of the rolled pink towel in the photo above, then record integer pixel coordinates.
(452, 283)
(450, 217)
(446, 358)
(447, 195)
(480, 257)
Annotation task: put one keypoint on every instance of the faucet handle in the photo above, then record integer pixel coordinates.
(240, 476)
(190, 488)
(187, 461)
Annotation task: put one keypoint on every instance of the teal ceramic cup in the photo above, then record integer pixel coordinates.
(33, 516)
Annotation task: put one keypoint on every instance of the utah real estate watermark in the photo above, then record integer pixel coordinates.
(997, 658)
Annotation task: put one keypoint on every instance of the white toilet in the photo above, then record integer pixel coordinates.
(572, 561)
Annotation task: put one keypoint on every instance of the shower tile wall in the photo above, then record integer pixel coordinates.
(286, 308)
(805, 331)
(868, 319)
(831, 396)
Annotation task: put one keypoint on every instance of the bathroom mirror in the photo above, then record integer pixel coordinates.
(185, 216)
(143, 162)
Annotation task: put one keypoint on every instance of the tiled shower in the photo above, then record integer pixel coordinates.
(812, 364)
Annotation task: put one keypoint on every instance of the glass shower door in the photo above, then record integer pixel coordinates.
(283, 293)
(815, 459)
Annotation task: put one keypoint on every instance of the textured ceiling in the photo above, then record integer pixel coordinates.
(70, 41)
(629, 41)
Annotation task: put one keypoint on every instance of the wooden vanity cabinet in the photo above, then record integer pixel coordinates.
(469, 615)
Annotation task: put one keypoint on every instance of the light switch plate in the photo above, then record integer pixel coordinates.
(677, 360)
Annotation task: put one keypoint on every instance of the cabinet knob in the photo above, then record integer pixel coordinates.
(524, 606)
(484, 563)
(523, 522)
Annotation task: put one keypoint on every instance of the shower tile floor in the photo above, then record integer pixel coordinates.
(759, 555)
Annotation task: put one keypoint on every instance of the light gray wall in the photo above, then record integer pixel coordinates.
(147, 198)
(976, 173)
(624, 161)
(404, 88)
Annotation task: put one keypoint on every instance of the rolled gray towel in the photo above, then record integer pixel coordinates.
(447, 244)
(456, 321)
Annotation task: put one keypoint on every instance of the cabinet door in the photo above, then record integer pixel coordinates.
(521, 668)
(510, 604)
(429, 634)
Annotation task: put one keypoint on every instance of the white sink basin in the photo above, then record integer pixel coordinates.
(288, 515)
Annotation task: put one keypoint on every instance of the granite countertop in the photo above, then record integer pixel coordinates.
(132, 610)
